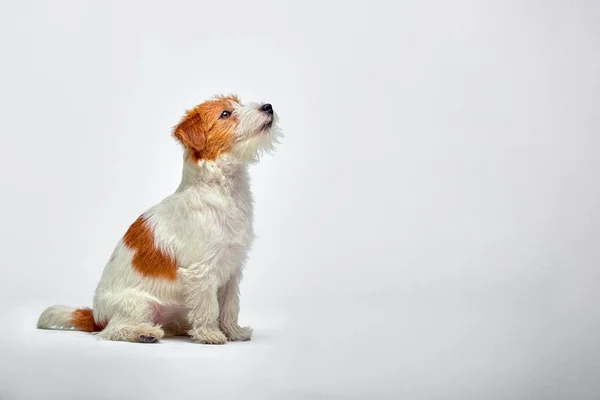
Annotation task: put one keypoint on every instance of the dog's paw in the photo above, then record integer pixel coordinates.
(146, 333)
(147, 339)
(208, 336)
(142, 333)
(237, 333)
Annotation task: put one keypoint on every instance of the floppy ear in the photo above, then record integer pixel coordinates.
(190, 132)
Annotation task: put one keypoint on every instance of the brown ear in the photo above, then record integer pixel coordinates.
(190, 132)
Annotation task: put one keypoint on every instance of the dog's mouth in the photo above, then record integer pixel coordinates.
(266, 126)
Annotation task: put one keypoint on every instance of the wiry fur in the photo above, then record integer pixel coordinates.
(206, 227)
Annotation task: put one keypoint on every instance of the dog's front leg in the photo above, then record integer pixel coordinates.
(202, 304)
(229, 308)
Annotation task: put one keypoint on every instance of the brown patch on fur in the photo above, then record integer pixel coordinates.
(203, 133)
(148, 260)
(191, 132)
(83, 320)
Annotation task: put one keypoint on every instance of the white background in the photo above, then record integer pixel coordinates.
(429, 227)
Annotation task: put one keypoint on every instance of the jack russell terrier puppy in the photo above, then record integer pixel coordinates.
(178, 267)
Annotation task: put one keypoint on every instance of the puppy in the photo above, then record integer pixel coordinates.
(178, 267)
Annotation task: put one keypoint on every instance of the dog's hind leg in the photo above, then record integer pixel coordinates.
(128, 332)
(132, 320)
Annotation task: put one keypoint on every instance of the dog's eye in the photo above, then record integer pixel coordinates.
(225, 114)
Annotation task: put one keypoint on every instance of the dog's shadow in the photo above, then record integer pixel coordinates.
(256, 338)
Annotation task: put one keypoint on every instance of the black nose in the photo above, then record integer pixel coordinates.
(267, 108)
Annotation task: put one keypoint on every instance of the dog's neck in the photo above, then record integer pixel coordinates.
(223, 172)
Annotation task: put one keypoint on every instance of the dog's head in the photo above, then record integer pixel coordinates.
(225, 126)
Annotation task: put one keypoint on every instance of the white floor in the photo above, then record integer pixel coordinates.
(366, 347)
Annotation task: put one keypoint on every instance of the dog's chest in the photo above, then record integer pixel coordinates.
(231, 216)
(211, 225)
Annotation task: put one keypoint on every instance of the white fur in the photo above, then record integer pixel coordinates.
(56, 317)
(206, 225)
(249, 146)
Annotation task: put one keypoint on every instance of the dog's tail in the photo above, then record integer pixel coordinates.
(63, 317)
